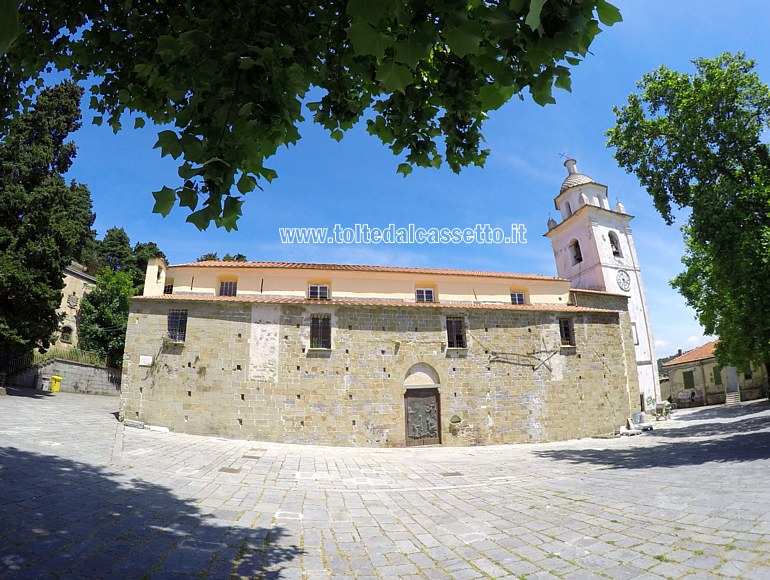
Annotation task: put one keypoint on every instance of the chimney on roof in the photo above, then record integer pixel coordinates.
(571, 166)
(679, 352)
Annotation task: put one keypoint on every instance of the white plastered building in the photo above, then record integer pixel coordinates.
(594, 249)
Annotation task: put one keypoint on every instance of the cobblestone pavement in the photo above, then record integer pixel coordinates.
(83, 496)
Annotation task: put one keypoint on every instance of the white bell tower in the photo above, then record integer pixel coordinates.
(594, 250)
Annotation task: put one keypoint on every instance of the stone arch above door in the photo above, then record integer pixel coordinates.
(421, 375)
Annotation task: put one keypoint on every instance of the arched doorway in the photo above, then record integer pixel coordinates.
(422, 406)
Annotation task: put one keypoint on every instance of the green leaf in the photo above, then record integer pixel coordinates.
(394, 77)
(9, 24)
(188, 198)
(337, 135)
(167, 141)
(366, 10)
(97, 120)
(246, 183)
(164, 201)
(268, 174)
(230, 213)
(200, 219)
(138, 123)
(608, 14)
(465, 39)
(246, 63)
(404, 169)
(367, 40)
(410, 52)
(493, 96)
(563, 79)
(533, 17)
(541, 89)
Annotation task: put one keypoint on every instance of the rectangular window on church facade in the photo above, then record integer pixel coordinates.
(455, 332)
(321, 331)
(177, 325)
(566, 332)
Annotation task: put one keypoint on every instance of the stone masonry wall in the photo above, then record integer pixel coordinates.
(246, 370)
(76, 377)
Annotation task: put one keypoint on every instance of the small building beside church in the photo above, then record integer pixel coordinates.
(77, 283)
(383, 356)
(695, 379)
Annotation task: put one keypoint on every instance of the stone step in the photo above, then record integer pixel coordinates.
(732, 398)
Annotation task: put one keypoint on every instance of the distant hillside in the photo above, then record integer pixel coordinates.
(661, 370)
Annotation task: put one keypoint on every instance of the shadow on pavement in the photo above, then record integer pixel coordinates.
(65, 518)
(711, 429)
(697, 444)
(29, 393)
(722, 411)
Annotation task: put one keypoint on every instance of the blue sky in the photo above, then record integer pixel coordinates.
(322, 182)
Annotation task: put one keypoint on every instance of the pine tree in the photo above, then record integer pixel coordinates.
(43, 220)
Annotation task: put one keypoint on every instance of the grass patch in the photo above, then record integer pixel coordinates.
(662, 558)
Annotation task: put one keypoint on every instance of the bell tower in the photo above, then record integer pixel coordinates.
(594, 250)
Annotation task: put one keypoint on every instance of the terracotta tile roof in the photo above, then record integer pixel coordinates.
(358, 302)
(701, 353)
(600, 292)
(361, 268)
(574, 179)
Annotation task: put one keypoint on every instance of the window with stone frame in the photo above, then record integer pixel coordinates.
(66, 334)
(688, 377)
(424, 295)
(455, 332)
(518, 297)
(318, 291)
(177, 325)
(566, 332)
(228, 288)
(320, 331)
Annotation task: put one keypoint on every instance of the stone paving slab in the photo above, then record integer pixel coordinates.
(83, 496)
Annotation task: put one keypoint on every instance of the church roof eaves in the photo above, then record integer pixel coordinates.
(364, 268)
(374, 302)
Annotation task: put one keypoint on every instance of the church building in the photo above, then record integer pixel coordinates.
(383, 356)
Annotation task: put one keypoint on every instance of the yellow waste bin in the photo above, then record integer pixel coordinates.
(55, 384)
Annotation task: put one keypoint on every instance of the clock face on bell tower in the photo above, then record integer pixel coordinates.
(624, 280)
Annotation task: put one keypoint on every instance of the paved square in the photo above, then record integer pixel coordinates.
(82, 496)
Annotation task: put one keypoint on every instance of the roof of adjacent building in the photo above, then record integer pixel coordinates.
(363, 268)
(78, 270)
(701, 353)
(376, 302)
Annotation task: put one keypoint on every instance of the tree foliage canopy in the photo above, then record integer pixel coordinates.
(43, 221)
(230, 78)
(103, 315)
(697, 141)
